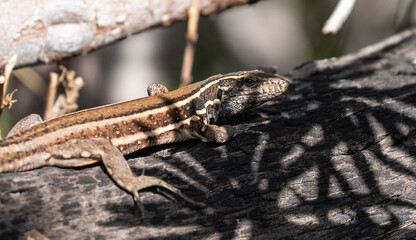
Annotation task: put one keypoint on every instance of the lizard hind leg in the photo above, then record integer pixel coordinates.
(119, 170)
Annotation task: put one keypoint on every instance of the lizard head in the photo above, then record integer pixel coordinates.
(240, 91)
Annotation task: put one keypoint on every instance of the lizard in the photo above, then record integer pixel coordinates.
(109, 132)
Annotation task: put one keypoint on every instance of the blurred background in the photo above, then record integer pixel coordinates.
(274, 33)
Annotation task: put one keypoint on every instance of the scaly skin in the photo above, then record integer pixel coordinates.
(108, 132)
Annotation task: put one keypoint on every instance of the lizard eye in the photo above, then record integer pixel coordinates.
(249, 82)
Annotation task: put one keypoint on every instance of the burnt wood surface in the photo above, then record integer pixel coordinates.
(336, 162)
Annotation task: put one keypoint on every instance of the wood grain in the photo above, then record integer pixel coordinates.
(337, 162)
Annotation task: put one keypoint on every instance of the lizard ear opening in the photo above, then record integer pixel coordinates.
(220, 94)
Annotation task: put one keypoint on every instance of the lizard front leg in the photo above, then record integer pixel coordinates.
(95, 149)
(221, 134)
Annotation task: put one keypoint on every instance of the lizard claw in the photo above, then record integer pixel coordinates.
(139, 203)
(245, 128)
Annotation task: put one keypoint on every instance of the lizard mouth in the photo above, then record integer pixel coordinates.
(278, 88)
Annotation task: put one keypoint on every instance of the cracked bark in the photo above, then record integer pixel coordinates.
(337, 162)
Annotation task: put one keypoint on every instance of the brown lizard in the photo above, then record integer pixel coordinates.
(108, 132)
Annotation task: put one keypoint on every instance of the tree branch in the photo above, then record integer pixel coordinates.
(337, 161)
(45, 31)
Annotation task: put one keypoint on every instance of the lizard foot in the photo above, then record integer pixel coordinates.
(143, 182)
(221, 134)
(245, 128)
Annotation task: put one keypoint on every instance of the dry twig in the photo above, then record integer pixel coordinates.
(192, 37)
(32, 80)
(338, 17)
(6, 100)
(66, 102)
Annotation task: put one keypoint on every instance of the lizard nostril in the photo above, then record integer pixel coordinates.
(283, 85)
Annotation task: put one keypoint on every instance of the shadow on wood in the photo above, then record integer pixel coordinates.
(337, 162)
